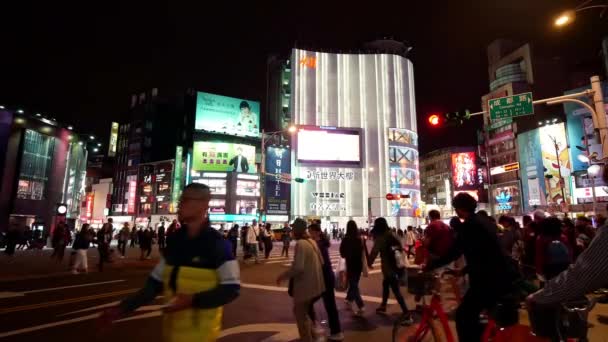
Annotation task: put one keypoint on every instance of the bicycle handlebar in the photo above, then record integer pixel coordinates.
(580, 306)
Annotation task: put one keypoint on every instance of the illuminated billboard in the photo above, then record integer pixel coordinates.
(113, 139)
(328, 146)
(227, 115)
(464, 171)
(550, 137)
(223, 157)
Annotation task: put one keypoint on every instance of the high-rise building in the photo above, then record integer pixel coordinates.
(157, 127)
(356, 139)
(516, 68)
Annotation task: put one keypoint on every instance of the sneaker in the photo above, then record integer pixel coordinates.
(381, 310)
(406, 319)
(360, 311)
(336, 337)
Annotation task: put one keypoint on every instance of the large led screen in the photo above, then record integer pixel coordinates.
(329, 146)
(227, 115)
(464, 171)
(223, 157)
(550, 136)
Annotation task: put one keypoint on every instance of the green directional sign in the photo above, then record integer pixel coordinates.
(511, 106)
(499, 123)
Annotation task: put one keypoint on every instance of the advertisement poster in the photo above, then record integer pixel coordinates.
(550, 137)
(464, 171)
(531, 169)
(227, 115)
(278, 161)
(223, 157)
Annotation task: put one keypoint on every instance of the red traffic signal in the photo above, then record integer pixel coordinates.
(393, 197)
(434, 120)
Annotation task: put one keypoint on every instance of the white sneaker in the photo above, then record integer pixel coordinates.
(336, 337)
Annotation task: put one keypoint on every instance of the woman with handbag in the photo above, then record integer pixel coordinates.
(306, 283)
(354, 252)
(385, 244)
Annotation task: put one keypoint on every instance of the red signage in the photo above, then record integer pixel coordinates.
(131, 199)
(393, 197)
(89, 205)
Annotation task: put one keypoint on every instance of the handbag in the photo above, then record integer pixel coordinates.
(341, 277)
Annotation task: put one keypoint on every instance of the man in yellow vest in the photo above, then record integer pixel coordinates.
(197, 276)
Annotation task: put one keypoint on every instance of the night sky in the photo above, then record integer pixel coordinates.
(80, 63)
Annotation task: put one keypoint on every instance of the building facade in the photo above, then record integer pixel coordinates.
(44, 165)
(356, 138)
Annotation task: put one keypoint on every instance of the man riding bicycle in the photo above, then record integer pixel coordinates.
(490, 274)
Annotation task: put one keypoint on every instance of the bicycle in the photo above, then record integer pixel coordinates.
(567, 323)
(422, 285)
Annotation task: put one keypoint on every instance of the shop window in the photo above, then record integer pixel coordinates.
(246, 207)
(36, 164)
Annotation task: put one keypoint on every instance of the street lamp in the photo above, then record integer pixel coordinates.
(567, 17)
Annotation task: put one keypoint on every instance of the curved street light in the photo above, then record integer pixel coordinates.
(568, 16)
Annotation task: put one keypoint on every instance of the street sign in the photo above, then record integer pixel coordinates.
(499, 123)
(511, 106)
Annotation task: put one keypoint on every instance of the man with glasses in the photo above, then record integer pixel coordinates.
(197, 276)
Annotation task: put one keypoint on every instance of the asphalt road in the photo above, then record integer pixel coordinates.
(51, 304)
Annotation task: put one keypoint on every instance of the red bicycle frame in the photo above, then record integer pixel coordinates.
(428, 313)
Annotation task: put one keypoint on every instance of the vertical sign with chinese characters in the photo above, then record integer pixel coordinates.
(277, 192)
(177, 178)
(90, 199)
(131, 198)
(113, 140)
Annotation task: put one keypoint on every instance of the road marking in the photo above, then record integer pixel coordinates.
(284, 331)
(48, 325)
(65, 301)
(338, 294)
(10, 294)
(109, 305)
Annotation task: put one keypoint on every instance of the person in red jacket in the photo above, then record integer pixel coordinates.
(438, 237)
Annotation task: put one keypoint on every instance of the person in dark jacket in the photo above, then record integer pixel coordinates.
(490, 274)
(145, 244)
(385, 244)
(81, 246)
(161, 236)
(233, 236)
(104, 237)
(352, 249)
(329, 296)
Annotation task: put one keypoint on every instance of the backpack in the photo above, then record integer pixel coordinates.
(557, 253)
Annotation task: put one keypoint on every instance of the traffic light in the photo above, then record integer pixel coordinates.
(393, 197)
(62, 209)
(435, 120)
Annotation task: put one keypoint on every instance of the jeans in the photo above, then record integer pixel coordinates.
(285, 250)
(253, 249)
(353, 293)
(233, 242)
(393, 283)
(161, 242)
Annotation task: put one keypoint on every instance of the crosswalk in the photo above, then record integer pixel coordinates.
(275, 257)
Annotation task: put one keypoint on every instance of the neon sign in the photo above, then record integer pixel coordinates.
(310, 62)
(504, 201)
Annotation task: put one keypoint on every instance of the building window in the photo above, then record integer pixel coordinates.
(35, 165)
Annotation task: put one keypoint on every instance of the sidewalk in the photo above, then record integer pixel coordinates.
(32, 264)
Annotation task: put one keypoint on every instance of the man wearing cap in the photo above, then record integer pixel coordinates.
(306, 283)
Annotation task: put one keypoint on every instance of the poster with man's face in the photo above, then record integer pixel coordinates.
(223, 157)
(227, 115)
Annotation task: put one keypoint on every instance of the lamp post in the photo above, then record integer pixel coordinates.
(568, 16)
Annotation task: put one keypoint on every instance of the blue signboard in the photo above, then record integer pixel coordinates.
(277, 192)
(531, 169)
